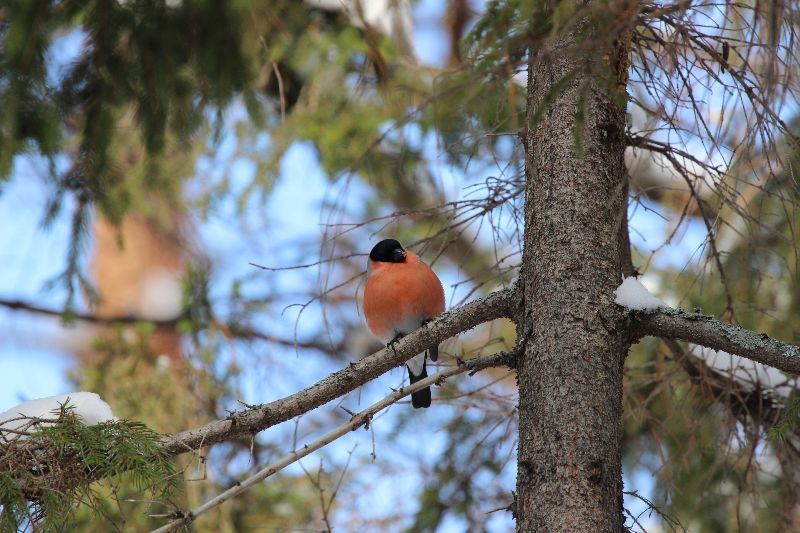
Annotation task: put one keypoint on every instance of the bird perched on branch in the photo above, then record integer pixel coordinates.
(402, 294)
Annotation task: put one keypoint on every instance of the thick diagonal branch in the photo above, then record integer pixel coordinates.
(258, 418)
(712, 333)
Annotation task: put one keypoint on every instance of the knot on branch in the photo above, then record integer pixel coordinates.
(512, 507)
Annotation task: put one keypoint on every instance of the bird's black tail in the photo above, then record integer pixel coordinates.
(420, 398)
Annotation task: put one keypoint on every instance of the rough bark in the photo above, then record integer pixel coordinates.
(570, 371)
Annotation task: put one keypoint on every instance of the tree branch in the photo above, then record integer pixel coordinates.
(85, 317)
(258, 418)
(361, 419)
(712, 333)
(240, 331)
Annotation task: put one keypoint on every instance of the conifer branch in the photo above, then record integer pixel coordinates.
(713, 333)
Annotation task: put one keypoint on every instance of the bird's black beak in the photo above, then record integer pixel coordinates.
(398, 255)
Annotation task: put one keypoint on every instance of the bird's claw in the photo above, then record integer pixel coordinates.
(392, 343)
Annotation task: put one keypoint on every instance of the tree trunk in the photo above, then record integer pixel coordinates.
(574, 342)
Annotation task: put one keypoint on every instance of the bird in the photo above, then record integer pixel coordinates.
(401, 294)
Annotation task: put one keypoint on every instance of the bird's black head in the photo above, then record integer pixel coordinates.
(388, 251)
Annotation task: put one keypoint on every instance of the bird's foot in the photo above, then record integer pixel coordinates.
(392, 343)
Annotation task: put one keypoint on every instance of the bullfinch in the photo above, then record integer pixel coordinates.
(402, 294)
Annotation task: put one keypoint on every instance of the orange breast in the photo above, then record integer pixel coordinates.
(398, 297)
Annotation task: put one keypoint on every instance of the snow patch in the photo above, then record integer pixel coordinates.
(88, 406)
(748, 374)
(633, 295)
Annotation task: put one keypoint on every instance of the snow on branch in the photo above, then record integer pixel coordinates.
(720, 345)
(752, 377)
(257, 418)
(707, 331)
(633, 295)
(760, 401)
(23, 418)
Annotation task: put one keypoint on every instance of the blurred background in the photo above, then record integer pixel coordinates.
(191, 190)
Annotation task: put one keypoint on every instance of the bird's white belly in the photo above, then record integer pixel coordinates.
(403, 328)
